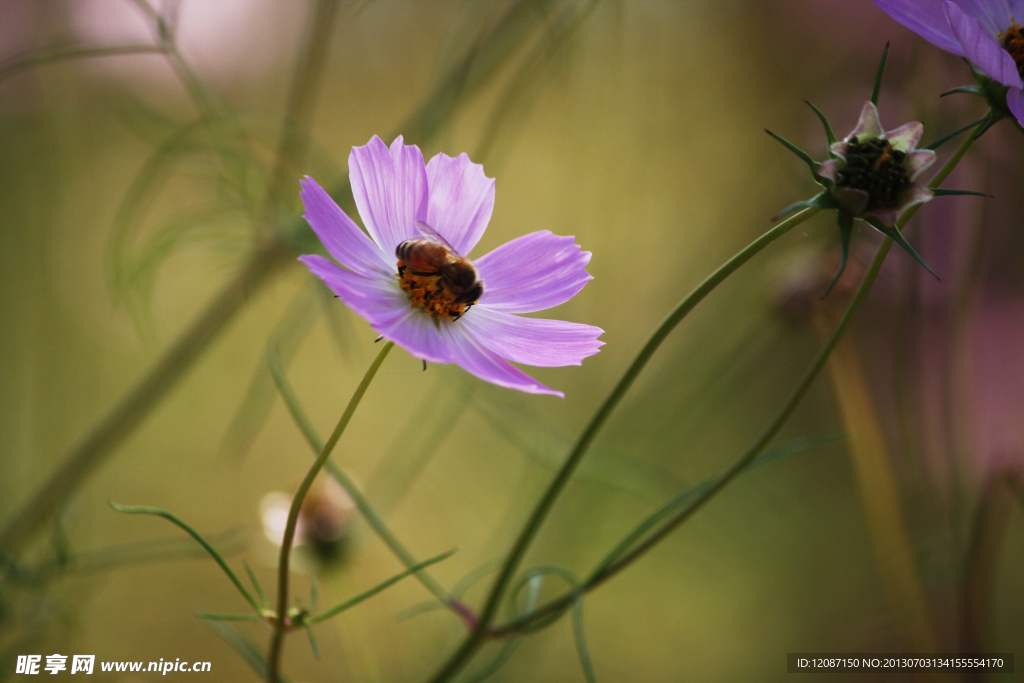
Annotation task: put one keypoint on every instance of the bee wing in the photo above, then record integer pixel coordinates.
(432, 234)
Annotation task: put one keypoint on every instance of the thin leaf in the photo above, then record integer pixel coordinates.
(314, 592)
(492, 667)
(965, 90)
(819, 200)
(811, 163)
(140, 510)
(946, 192)
(229, 617)
(352, 602)
(845, 234)
(824, 122)
(255, 583)
(946, 138)
(312, 640)
(878, 76)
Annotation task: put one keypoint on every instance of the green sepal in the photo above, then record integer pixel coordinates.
(897, 237)
(811, 163)
(946, 138)
(947, 192)
(995, 93)
(822, 200)
(828, 127)
(878, 75)
(845, 220)
(965, 90)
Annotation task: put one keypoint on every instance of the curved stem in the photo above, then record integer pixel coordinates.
(540, 511)
(607, 570)
(281, 621)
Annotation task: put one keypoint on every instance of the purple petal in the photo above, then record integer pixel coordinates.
(376, 299)
(533, 272)
(982, 49)
(917, 193)
(840, 148)
(532, 341)
(419, 334)
(868, 125)
(852, 199)
(829, 170)
(390, 189)
(885, 216)
(917, 161)
(460, 202)
(1015, 101)
(906, 137)
(926, 19)
(340, 236)
(477, 360)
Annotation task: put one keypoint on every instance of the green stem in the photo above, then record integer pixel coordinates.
(363, 504)
(476, 638)
(606, 571)
(280, 622)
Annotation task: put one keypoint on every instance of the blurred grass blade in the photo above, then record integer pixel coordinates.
(23, 63)
(420, 438)
(649, 523)
(492, 667)
(255, 583)
(352, 602)
(243, 646)
(140, 510)
(879, 491)
(113, 557)
(288, 335)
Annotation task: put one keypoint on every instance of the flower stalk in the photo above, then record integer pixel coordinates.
(281, 622)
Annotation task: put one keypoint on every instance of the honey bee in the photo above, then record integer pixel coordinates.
(436, 277)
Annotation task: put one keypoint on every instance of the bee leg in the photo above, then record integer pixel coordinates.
(378, 339)
(401, 271)
(424, 366)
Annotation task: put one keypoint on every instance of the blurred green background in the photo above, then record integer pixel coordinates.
(635, 126)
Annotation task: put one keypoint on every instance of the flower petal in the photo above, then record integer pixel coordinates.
(419, 334)
(851, 199)
(926, 19)
(1015, 101)
(477, 360)
(460, 200)
(906, 137)
(340, 236)
(533, 272)
(376, 299)
(917, 193)
(532, 341)
(829, 170)
(390, 189)
(982, 49)
(917, 161)
(868, 125)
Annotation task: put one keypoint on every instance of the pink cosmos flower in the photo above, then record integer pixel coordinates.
(434, 302)
(986, 32)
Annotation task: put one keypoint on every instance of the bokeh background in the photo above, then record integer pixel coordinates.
(133, 188)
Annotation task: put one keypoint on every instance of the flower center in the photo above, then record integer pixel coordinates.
(438, 280)
(875, 167)
(1013, 40)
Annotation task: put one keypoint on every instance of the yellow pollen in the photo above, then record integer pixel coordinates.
(431, 293)
(1013, 40)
